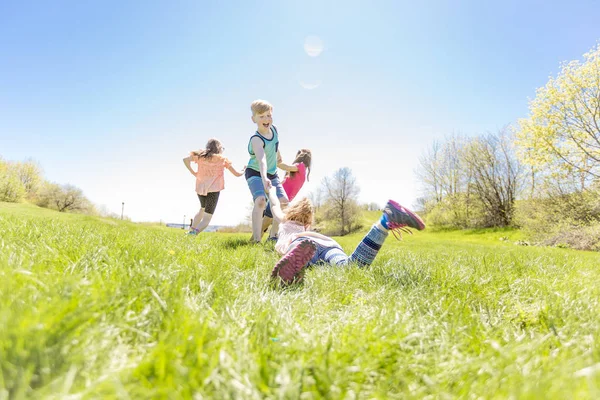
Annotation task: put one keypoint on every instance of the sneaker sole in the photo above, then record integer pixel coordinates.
(420, 224)
(294, 262)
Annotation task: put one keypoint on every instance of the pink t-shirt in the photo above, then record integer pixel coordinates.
(210, 177)
(292, 185)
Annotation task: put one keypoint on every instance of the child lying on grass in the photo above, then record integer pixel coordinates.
(301, 248)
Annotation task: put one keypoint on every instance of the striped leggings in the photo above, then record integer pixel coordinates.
(363, 255)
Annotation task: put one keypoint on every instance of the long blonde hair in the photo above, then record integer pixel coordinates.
(213, 146)
(300, 212)
(302, 156)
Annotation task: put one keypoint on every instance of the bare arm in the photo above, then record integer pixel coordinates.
(284, 166)
(275, 206)
(259, 152)
(235, 172)
(187, 162)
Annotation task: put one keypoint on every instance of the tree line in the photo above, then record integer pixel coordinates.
(541, 174)
(471, 182)
(23, 180)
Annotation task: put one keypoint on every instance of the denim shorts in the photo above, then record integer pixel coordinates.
(257, 189)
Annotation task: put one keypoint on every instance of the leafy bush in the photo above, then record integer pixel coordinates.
(329, 221)
(457, 211)
(30, 174)
(12, 189)
(64, 198)
(568, 220)
(578, 238)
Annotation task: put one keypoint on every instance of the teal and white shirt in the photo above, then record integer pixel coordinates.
(271, 146)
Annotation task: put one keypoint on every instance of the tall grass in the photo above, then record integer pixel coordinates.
(95, 308)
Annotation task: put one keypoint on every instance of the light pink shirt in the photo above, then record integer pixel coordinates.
(290, 231)
(210, 177)
(292, 185)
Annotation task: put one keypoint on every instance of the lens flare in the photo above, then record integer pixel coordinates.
(310, 85)
(310, 74)
(313, 45)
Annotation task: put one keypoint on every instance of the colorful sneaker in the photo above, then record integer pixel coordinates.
(193, 231)
(290, 267)
(273, 239)
(399, 218)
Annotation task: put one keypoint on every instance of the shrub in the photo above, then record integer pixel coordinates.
(12, 189)
(567, 220)
(63, 198)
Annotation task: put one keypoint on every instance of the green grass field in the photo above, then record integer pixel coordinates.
(98, 308)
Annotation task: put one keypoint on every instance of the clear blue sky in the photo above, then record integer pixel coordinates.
(110, 96)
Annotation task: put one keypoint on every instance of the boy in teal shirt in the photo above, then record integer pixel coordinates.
(261, 172)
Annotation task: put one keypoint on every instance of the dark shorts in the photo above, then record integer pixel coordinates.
(209, 202)
(268, 212)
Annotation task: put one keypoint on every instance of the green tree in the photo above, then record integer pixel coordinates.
(562, 132)
(497, 175)
(30, 175)
(63, 198)
(445, 183)
(11, 188)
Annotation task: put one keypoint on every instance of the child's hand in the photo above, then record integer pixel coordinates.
(267, 184)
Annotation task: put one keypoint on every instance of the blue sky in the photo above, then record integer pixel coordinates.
(110, 96)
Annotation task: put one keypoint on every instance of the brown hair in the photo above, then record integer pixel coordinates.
(300, 212)
(302, 156)
(260, 106)
(213, 146)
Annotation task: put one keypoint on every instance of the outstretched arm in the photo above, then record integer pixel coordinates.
(284, 166)
(187, 161)
(275, 206)
(235, 172)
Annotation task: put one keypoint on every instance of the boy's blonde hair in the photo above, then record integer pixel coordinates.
(260, 106)
(300, 212)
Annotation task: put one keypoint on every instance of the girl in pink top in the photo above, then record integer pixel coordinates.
(300, 247)
(298, 174)
(293, 181)
(210, 180)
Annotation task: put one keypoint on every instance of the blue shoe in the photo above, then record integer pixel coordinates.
(273, 239)
(193, 231)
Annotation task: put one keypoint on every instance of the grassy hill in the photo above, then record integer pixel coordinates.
(96, 308)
